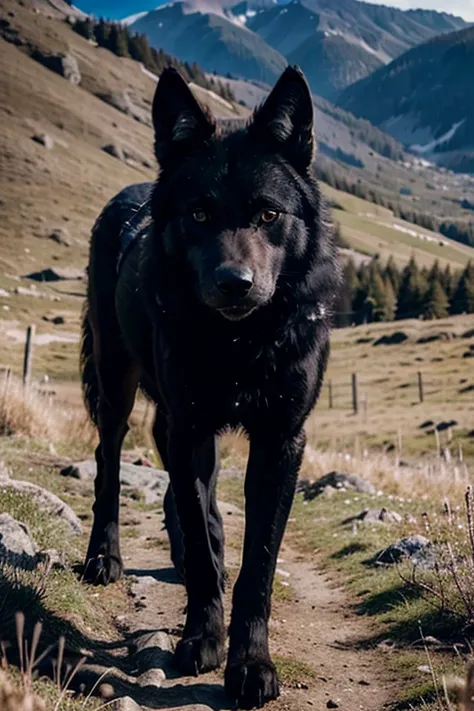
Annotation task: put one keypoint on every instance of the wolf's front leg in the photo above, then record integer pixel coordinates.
(272, 471)
(193, 466)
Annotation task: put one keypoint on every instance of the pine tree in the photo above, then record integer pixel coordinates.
(390, 306)
(434, 273)
(377, 297)
(102, 33)
(118, 40)
(463, 299)
(359, 303)
(346, 296)
(412, 290)
(85, 27)
(436, 304)
(135, 47)
(448, 282)
(392, 273)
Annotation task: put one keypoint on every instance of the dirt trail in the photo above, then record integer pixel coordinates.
(315, 628)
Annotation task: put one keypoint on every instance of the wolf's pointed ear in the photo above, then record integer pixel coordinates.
(286, 119)
(179, 121)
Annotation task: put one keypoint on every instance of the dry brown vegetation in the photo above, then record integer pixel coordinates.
(25, 411)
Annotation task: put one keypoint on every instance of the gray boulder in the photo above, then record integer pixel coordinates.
(127, 103)
(52, 274)
(417, 549)
(113, 149)
(382, 515)
(391, 339)
(125, 703)
(150, 481)
(127, 155)
(46, 500)
(61, 236)
(63, 64)
(43, 139)
(336, 481)
(17, 547)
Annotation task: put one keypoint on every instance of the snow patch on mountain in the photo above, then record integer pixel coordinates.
(133, 18)
(430, 147)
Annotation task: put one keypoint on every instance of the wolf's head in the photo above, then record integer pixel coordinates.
(237, 204)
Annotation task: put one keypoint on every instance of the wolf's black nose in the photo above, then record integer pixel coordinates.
(233, 281)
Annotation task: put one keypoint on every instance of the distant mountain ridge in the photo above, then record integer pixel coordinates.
(336, 42)
(423, 99)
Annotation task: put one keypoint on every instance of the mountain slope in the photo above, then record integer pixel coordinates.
(336, 42)
(422, 99)
(212, 40)
(331, 63)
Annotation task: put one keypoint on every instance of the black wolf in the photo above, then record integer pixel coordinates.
(212, 289)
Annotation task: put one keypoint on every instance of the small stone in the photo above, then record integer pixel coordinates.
(17, 546)
(44, 140)
(148, 480)
(113, 149)
(363, 682)
(106, 691)
(376, 516)
(337, 481)
(125, 704)
(61, 236)
(45, 499)
(386, 644)
(151, 650)
(332, 704)
(152, 677)
(418, 549)
(424, 669)
(431, 641)
(53, 558)
(63, 64)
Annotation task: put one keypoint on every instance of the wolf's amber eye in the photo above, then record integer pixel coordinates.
(199, 215)
(268, 216)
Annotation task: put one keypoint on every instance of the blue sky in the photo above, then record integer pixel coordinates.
(463, 8)
(117, 10)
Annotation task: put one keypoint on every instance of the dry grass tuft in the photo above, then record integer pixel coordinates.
(13, 698)
(26, 412)
(462, 690)
(431, 477)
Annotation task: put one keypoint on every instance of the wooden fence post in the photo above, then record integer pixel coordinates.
(330, 395)
(27, 361)
(420, 387)
(355, 402)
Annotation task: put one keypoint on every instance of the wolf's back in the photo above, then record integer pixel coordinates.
(105, 250)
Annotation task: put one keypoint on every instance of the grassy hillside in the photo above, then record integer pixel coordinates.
(64, 187)
(371, 229)
(390, 412)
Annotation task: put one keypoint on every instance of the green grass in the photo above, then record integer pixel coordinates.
(46, 531)
(293, 673)
(381, 592)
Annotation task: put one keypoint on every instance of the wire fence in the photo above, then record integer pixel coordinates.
(359, 394)
(353, 393)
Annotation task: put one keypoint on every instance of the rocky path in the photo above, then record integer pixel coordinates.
(314, 634)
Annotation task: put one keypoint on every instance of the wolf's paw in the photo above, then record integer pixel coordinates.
(197, 655)
(250, 685)
(102, 569)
